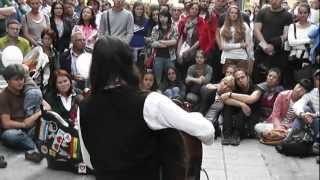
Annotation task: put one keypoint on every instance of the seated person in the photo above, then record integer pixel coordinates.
(283, 114)
(17, 129)
(198, 76)
(307, 109)
(270, 90)
(208, 92)
(68, 59)
(239, 108)
(148, 82)
(255, 103)
(12, 38)
(64, 100)
(173, 87)
(227, 84)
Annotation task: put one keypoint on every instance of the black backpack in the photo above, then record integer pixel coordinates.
(298, 142)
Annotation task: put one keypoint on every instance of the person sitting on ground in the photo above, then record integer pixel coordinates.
(198, 76)
(17, 129)
(307, 110)
(173, 87)
(64, 100)
(148, 82)
(213, 114)
(255, 104)
(283, 114)
(209, 91)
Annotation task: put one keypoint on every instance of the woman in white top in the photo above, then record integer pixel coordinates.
(34, 22)
(236, 40)
(298, 39)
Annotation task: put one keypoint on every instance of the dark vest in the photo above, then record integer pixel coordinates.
(120, 144)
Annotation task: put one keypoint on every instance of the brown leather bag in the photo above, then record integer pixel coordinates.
(273, 137)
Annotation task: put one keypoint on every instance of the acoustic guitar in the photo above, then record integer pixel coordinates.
(180, 153)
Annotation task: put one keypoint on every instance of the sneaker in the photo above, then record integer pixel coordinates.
(33, 156)
(226, 139)
(3, 163)
(235, 140)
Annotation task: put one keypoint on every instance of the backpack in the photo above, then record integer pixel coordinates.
(298, 142)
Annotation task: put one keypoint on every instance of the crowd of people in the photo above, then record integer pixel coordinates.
(247, 72)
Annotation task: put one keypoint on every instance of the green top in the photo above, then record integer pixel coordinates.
(22, 44)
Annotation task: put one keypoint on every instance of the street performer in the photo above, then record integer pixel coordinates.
(119, 122)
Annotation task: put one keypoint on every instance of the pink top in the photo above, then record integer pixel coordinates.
(280, 107)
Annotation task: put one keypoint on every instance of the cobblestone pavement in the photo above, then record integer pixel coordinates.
(249, 161)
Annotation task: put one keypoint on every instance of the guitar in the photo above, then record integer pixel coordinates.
(180, 153)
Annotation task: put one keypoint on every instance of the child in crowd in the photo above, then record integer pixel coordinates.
(148, 82)
(198, 76)
(173, 87)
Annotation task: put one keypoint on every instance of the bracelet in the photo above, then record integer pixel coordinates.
(230, 94)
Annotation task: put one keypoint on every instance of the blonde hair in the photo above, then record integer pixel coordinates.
(230, 81)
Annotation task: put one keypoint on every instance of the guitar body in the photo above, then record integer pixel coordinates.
(180, 155)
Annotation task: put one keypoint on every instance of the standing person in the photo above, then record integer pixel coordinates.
(87, 26)
(298, 39)
(236, 41)
(140, 28)
(270, 29)
(163, 40)
(34, 22)
(117, 22)
(193, 34)
(69, 13)
(60, 26)
(314, 11)
(133, 154)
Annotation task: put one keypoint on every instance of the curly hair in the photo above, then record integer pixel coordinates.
(240, 29)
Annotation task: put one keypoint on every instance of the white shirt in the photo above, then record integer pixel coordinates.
(232, 50)
(311, 99)
(160, 112)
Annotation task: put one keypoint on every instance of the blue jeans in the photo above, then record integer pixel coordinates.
(19, 139)
(32, 101)
(173, 92)
(160, 64)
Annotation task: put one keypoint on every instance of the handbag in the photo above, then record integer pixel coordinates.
(298, 142)
(273, 137)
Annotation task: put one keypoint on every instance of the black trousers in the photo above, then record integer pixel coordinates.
(235, 120)
(264, 62)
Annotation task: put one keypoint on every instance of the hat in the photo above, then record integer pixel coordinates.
(306, 84)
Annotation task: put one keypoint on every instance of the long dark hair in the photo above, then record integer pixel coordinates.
(111, 61)
(138, 20)
(92, 20)
(168, 15)
(54, 6)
